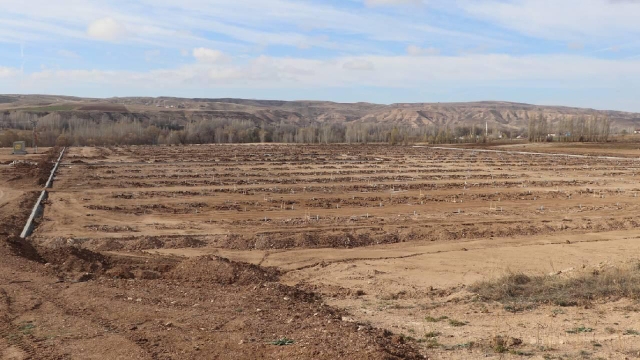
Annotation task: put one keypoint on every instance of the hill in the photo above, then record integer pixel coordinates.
(500, 115)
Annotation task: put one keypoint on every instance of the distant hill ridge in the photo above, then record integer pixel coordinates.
(498, 114)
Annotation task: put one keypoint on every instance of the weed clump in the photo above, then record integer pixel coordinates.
(577, 290)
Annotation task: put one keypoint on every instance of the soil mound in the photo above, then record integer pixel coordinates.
(223, 271)
(73, 259)
(46, 164)
(23, 171)
(24, 248)
(12, 225)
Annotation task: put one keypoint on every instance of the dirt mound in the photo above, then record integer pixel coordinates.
(11, 225)
(163, 242)
(223, 271)
(73, 259)
(23, 171)
(46, 165)
(24, 248)
(310, 239)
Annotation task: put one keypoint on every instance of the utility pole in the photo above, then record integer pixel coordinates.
(34, 125)
(486, 130)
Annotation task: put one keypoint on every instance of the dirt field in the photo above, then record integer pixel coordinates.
(326, 245)
(628, 146)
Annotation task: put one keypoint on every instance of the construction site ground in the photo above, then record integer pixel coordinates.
(314, 251)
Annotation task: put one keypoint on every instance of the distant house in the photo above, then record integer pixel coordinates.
(551, 135)
(636, 131)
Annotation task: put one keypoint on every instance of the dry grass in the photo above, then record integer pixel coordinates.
(563, 290)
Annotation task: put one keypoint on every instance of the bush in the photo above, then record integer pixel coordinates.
(610, 284)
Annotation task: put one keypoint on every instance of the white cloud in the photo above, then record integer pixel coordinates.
(107, 29)
(570, 20)
(418, 51)
(264, 72)
(205, 55)
(575, 46)
(6, 72)
(246, 24)
(68, 54)
(358, 64)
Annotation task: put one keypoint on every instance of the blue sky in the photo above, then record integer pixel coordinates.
(566, 52)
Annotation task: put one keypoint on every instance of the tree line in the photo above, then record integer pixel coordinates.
(594, 129)
(54, 129)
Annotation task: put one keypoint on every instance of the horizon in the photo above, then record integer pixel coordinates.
(570, 53)
(330, 101)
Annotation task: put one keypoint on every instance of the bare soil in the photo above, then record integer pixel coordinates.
(64, 301)
(368, 236)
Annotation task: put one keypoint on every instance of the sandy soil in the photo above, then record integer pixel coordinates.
(390, 237)
(61, 301)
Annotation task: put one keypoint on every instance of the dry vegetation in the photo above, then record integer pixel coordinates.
(607, 284)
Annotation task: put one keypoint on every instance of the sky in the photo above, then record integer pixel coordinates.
(551, 52)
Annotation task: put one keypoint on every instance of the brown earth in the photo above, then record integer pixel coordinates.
(63, 301)
(376, 236)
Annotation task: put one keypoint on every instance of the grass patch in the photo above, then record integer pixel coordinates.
(468, 345)
(580, 330)
(456, 323)
(27, 328)
(432, 334)
(521, 353)
(518, 307)
(50, 108)
(432, 343)
(631, 332)
(400, 307)
(584, 354)
(282, 342)
(581, 289)
(557, 312)
(433, 319)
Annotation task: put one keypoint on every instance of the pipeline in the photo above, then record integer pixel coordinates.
(38, 207)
